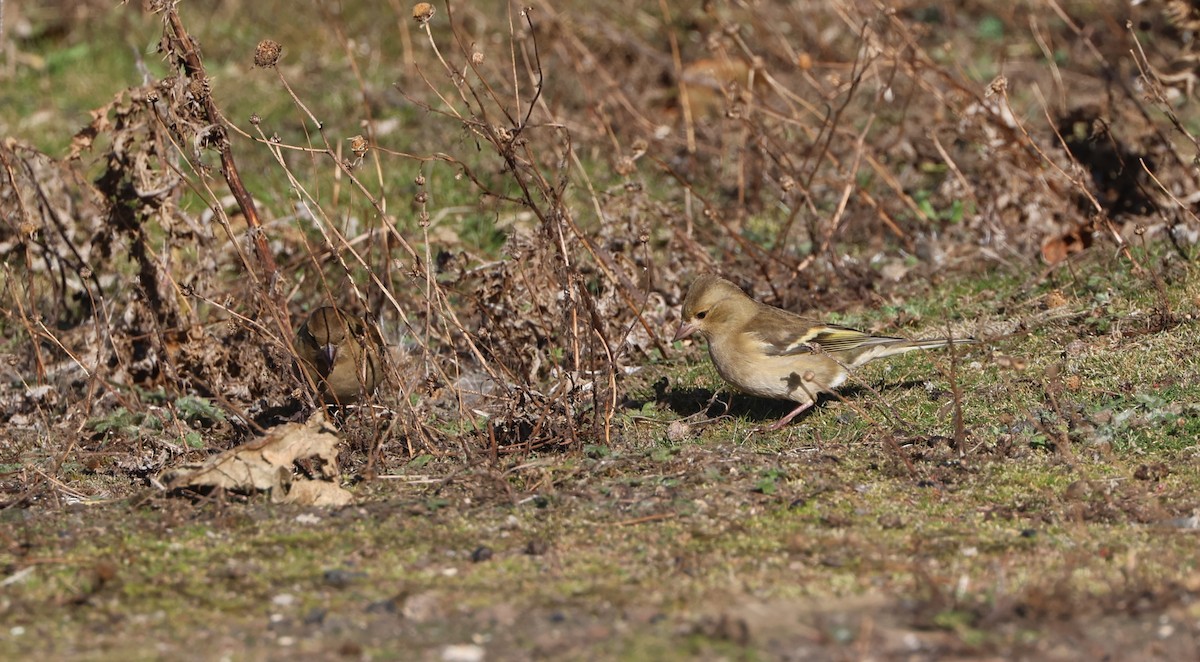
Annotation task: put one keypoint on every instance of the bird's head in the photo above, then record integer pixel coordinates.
(711, 302)
(328, 329)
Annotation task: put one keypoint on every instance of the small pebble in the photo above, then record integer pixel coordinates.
(463, 653)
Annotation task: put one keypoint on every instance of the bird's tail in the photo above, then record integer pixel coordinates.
(893, 346)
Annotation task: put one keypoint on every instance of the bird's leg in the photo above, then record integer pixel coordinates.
(787, 419)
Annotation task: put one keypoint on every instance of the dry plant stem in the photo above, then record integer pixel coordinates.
(345, 170)
(829, 126)
(334, 19)
(923, 68)
(349, 174)
(751, 248)
(81, 270)
(423, 221)
(611, 407)
(455, 76)
(838, 214)
(327, 226)
(23, 317)
(403, 18)
(1150, 75)
(209, 194)
(677, 62)
(1119, 79)
(890, 441)
(1048, 55)
(1160, 287)
(518, 125)
(369, 121)
(1062, 441)
(612, 87)
(606, 262)
(540, 195)
(554, 193)
(512, 57)
(1178, 204)
(91, 284)
(432, 294)
(794, 100)
(1079, 184)
(194, 68)
(890, 179)
(960, 432)
(646, 518)
(949, 161)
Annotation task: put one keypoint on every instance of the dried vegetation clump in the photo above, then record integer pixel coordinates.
(525, 233)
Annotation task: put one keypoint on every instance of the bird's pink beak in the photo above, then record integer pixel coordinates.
(329, 353)
(685, 329)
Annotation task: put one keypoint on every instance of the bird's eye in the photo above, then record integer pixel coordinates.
(702, 314)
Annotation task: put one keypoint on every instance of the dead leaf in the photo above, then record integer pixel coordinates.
(1075, 240)
(307, 492)
(711, 81)
(269, 465)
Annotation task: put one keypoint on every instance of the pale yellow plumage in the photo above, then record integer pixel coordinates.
(772, 353)
(341, 354)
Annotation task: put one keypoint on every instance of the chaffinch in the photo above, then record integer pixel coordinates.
(341, 354)
(772, 353)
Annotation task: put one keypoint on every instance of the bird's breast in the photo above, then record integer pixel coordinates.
(799, 378)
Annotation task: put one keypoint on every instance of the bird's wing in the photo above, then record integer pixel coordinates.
(786, 334)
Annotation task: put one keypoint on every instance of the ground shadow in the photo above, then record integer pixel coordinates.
(692, 401)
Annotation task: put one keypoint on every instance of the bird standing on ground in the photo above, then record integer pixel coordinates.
(772, 353)
(341, 354)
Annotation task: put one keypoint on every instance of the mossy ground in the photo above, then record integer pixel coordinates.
(835, 534)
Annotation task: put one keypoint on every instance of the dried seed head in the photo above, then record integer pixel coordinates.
(477, 58)
(639, 148)
(267, 54)
(199, 87)
(423, 12)
(998, 86)
(358, 145)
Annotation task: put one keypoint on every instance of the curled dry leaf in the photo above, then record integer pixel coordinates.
(1076, 240)
(269, 465)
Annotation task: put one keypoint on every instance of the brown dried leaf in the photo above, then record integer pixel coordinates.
(1075, 240)
(268, 464)
(306, 492)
